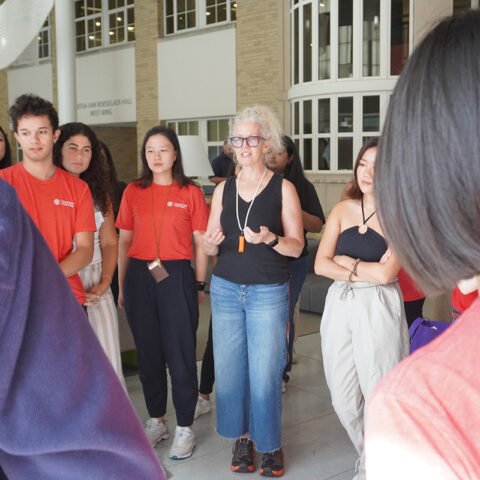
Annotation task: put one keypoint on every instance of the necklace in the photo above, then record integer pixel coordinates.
(364, 227)
(241, 237)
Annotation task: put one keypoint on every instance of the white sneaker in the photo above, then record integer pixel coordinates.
(203, 407)
(284, 386)
(156, 432)
(183, 443)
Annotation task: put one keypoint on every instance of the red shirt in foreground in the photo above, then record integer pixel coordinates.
(60, 207)
(424, 416)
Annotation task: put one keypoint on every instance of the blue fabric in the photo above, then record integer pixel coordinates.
(249, 344)
(63, 412)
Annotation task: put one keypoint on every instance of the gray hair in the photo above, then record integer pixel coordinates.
(270, 126)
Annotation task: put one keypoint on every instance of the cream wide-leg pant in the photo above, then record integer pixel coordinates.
(364, 334)
(103, 318)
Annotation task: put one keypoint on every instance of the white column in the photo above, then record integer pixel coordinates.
(65, 39)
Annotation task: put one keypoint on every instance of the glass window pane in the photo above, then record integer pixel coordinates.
(80, 28)
(399, 35)
(461, 5)
(324, 39)
(345, 45)
(223, 129)
(169, 7)
(81, 44)
(233, 10)
(181, 6)
(181, 22)
(183, 128)
(371, 113)
(371, 38)
(169, 25)
(307, 154)
(307, 116)
(345, 114)
(111, 4)
(222, 13)
(324, 115)
(79, 9)
(296, 118)
(193, 128)
(190, 4)
(345, 153)
(307, 43)
(213, 152)
(172, 125)
(296, 48)
(324, 154)
(212, 131)
(191, 19)
(210, 14)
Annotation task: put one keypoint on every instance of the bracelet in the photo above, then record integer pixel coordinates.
(355, 266)
(201, 286)
(273, 243)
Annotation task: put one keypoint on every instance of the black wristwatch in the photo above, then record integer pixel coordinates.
(201, 286)
(273, 243)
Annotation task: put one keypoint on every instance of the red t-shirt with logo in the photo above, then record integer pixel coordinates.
(184, 211)
(60, 207)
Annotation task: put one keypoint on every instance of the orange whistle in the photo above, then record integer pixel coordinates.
(241, 243)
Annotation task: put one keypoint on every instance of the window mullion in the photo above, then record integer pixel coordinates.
(357, 38)
(334, 40)
(201, 12)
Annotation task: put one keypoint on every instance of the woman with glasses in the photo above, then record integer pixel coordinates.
(255, 224)
(363, 329)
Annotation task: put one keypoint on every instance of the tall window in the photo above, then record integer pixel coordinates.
(44, 40)
(100, 23)
(345, 55)
(399, 44)
(183, 15)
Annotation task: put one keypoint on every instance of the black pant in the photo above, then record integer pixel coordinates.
(163, 318)
(207, 375)
(413, 310)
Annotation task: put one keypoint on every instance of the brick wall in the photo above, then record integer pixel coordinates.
(146, 38)
(262, 55)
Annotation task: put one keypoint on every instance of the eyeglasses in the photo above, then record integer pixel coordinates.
(253, 141)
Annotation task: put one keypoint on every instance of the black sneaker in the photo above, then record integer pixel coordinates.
(243, 456)
(272, 464)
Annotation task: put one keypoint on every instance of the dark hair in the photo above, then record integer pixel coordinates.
(96, 175)
(146, 177)
(294, 169)
(354, 191)
(427, 175)
(115, 190)
(6, 161)
(30, 104)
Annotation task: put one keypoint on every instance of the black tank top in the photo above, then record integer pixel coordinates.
(258, 264)
(368, 247)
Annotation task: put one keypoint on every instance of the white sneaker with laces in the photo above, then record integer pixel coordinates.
(203, 407)
(156, 432)
(183, 443)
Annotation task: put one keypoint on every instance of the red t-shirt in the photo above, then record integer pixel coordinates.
(408, 287)
(60, 207)
(184, 212)
(461, 301)
(423, 420)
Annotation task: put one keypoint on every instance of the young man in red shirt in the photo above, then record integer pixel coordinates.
(59, 203)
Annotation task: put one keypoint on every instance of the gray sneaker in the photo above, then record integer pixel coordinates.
(156, 432)
(203, 407)
(183, 443)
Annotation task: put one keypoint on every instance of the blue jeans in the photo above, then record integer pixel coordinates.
(249, 344)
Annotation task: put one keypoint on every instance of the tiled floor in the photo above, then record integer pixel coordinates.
(315, 445)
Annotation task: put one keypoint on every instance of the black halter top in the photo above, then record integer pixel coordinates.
(368, 247)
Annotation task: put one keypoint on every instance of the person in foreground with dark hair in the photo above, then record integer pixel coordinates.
(60, 204)
(424, 417)
(158, 287)
(363, 329)
(5, 154)
(287, 164)
(77, 151)
(63, 413)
